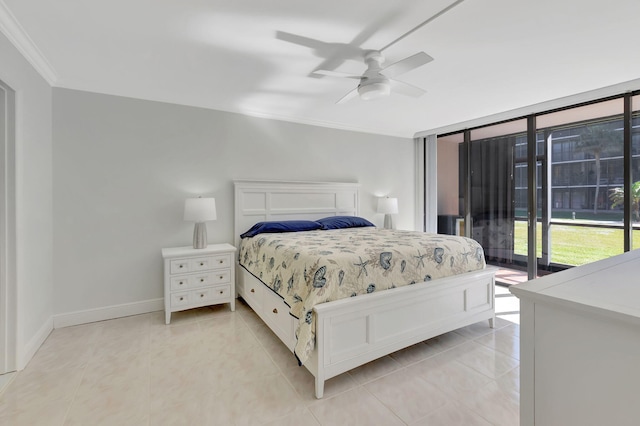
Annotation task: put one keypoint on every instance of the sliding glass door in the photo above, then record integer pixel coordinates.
(579, 204)
(492, 193)
(634, 194)
(586, 172)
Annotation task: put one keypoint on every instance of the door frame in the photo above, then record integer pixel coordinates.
(8, 286)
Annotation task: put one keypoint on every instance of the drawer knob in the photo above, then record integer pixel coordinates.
(221, 291)
(253, 290)
(181, 282)
(201, 264)
(201, 280)
(181, 266)
(221, 277)
(275, 310)
(221, 262)
(201, 295)
(181, 298)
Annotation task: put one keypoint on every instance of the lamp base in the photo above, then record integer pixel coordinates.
(388, 221)
(200, 235)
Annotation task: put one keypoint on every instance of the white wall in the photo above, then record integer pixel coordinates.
(123, 167)
(33, 181)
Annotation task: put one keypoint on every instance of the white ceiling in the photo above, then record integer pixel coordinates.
(490, 55)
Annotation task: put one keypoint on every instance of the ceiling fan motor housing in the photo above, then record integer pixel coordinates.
(373, 85)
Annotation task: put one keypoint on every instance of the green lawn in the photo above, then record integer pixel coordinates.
(576, 245)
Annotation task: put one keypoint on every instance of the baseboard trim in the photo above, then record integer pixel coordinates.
(107, 313)
(34, 344)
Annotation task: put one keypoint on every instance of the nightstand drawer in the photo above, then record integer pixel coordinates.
(179, 266)
(221, 292)
(201, 264)
(179, 299)
(221, 277)
(221, 261)
(199, 297)
(200, 280)
(193, 281)
(202, 295)
(205, 263)
(181, 282)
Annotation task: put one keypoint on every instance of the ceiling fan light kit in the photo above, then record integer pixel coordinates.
(374, 90)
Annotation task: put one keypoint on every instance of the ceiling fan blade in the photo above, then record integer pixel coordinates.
(337, 74)
(406, 65)
(407, 89)
(350, 95)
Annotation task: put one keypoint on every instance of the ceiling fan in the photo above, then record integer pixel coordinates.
(378, 81)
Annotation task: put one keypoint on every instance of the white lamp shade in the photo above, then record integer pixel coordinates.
(200, 209)
(388, 205)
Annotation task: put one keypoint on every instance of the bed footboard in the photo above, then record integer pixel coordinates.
(352, 332)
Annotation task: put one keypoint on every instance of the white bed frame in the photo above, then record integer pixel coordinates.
(351, 332)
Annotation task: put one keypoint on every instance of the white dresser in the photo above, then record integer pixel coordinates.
(580, 345)
(198, 277)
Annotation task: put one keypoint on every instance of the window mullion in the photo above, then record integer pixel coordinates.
(628, 220)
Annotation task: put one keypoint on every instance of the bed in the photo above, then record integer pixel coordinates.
(331, 336)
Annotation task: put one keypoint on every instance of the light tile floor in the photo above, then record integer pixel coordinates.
(215, 367)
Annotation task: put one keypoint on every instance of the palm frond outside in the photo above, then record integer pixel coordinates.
(616, 196)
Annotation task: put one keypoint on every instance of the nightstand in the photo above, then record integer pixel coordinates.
(198, 277)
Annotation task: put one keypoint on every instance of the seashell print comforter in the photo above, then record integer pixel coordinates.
(312, 267)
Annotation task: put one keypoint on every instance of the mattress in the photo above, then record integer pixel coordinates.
(312, 267)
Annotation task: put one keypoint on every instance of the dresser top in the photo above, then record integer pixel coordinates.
(610, 285)
(189, 251)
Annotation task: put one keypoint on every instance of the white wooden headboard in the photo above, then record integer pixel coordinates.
(264, 200)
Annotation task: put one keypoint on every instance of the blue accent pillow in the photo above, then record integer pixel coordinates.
(282, 226)
(339, 222)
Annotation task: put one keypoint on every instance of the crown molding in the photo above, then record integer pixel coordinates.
(11, 28)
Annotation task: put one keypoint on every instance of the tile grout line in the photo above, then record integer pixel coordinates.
(11, 376)
(75, 392)
(383, 404)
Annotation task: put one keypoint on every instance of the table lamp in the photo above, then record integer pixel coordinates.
(388, 206)
(200, 210)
